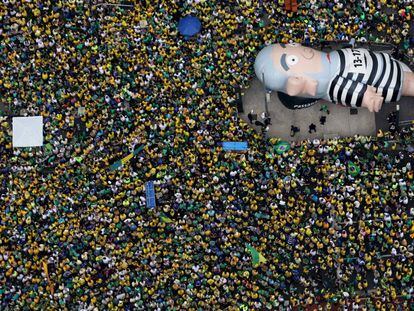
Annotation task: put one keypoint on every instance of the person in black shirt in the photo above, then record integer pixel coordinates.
(312, 128)
(294, 130)
(252, 116)
(267, 121)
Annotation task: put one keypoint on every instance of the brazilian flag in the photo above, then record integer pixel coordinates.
(257, 258)
(124, 160)
(353, 169)
(281, 147)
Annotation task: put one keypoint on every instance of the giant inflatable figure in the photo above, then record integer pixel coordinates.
(351, 77)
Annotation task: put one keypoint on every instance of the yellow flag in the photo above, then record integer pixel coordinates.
(45, 269)
(127, 158)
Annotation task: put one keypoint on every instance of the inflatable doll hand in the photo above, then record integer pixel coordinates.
(372, 100)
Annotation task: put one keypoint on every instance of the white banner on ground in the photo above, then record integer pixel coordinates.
(27, 131)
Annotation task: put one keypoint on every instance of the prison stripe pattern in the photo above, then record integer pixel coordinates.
(382, 72)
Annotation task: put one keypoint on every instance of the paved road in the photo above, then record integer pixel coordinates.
(406, 112)
(339, 122)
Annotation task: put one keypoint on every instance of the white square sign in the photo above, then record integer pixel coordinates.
(27, 131)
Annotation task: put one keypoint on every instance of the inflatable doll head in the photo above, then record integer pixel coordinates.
(289, 68)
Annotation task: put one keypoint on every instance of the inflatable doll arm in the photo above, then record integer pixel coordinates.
(372, 100)
(354, 94)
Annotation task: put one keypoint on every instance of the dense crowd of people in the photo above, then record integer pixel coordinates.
(334, 219)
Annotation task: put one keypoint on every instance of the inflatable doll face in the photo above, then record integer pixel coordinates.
(297, 59)
(276, 63)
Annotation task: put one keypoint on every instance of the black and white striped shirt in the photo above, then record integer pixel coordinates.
(360, 68)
